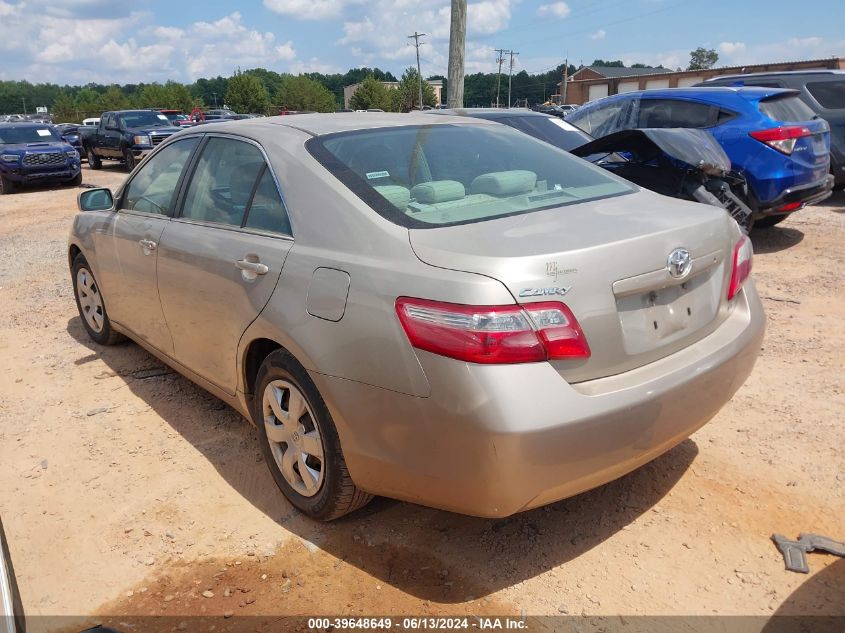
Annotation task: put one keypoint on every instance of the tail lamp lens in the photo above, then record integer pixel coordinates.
(493, 334)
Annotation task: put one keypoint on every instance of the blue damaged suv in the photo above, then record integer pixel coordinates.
(34, 152)
(778, 143)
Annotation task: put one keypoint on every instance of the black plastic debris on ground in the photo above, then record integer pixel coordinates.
(795, 552)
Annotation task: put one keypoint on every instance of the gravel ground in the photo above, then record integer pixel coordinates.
(128, 490)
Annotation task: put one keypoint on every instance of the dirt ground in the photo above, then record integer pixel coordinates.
(125, 489)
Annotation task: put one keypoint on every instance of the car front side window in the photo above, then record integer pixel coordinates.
(225, 178)
(153, 188)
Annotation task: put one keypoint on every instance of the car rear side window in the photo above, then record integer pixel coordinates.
(599, 121)
(266, 211)
(829, 94)
(786, 108)
(660, 113)
(223, 182)
(152, 189)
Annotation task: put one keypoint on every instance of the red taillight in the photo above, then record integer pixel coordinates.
(493, 334)
(782, 138)
(743, 256)
(792, 206)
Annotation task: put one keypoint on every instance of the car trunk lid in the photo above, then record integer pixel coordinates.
(607, 260)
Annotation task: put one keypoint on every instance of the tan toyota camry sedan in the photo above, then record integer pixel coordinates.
(443, 310)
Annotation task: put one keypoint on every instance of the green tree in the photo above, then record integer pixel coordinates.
(409, 89)
(178, 97)
(618, 63)
(63, 108)
(371, 93)
(702, 59)
(302, 93)
(151, 96)
(246, 93)
(114, 99)
(87, 103)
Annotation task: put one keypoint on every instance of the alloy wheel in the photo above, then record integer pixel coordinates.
(293, 436)
(90, 300)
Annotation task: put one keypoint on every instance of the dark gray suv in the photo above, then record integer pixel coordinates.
(822, 90)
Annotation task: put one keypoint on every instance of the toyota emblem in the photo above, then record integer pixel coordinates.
(679, 263)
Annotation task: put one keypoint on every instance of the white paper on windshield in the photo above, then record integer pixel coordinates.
(163, 118)
(43, 132)
(377, 174)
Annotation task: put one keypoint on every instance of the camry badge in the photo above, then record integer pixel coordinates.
(679, 263)
(544, 292)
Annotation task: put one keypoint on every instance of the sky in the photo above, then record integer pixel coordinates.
(133, 41)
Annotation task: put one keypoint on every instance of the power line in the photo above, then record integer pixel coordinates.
(416, 37)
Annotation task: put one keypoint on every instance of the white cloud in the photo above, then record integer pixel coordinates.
(307, 9)
(558, 10)
(731, 48)
(286, 51)
(488, 16)
(599, 35)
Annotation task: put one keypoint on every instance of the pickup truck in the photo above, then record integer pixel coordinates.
(34, 152)
(125, 135)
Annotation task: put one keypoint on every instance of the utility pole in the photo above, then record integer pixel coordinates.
(510, 75)
(214, 94)
(24, 105)
(501, 52)
(416, 37)
(565, 79)
(457, 47)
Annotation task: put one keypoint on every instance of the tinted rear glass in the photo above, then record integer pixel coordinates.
(438, 175)
(829, 94)
(661, 113)
(550, 130)
(789, 108)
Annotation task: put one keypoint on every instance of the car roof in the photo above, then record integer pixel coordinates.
(490, 113)
(8, 124)
(321, 124)
(775, 73)
(712, 93)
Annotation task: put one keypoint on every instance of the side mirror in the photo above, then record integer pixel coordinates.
(95, 200)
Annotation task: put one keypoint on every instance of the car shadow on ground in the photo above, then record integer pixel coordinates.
(817, 605)
(427, 553)
(775, 239)
(837, 201)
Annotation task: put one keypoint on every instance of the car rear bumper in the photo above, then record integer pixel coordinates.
(494, 440)
(808, 194)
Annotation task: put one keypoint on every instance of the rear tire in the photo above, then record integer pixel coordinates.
(770, 220)
(91, 305)
(278, 410)
(7, 186)
(94, 161)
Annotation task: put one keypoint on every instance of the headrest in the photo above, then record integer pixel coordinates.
(438, 191)
(398, 196)
(504, 183)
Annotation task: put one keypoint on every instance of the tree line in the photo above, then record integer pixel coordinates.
(265, 91)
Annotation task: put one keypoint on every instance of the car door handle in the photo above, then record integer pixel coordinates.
(148, 244)
(252, 267)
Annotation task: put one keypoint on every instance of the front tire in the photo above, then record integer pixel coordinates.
(90, 303)
(94, 161)
(76, 180)
(7, 186)
(300, 443)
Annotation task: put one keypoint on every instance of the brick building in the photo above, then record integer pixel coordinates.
(594, 82)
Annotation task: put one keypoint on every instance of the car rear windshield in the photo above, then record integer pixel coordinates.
(829, 94)
(27, 134)
(438, 175)
(788, 108)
